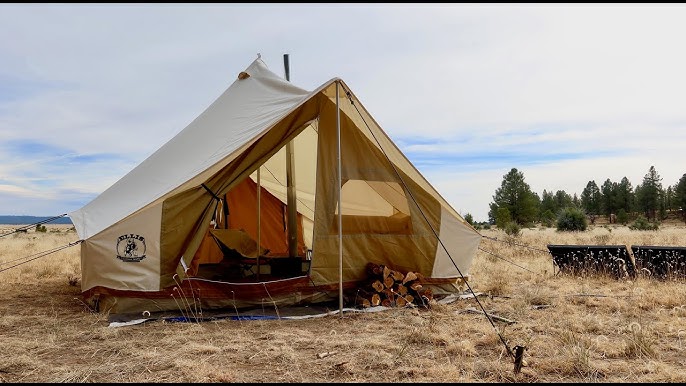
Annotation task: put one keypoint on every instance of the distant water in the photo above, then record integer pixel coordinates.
(26, 220)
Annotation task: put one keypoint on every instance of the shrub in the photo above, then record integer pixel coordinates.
(571, 219)
(503, 217)
(512, 229)
(41, 228)
(622, 217)
(642, 224)
(548, 218)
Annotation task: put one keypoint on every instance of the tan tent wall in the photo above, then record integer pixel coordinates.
(362, 160)
(459, 246)
(458, 236)
(100, 265)
(361, 118)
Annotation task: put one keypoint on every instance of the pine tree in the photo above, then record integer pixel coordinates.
(548, 203)
(680, 196)
(649, 196)
(624, 196)
(515, 195)
(608, 191)
(563, 200)
(591, 199)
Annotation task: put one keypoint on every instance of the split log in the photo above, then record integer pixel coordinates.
(388, 282)
(397, 275)
(416, 286)
(400, 301)
(376, 300)
(409, 277)
(386, 272)
(378, 286)
(402, 290)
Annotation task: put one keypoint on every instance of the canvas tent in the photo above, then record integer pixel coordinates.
(190, 217)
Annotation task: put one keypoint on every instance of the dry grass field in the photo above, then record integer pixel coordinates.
(575, 329)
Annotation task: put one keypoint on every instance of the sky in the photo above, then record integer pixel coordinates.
(566, 94)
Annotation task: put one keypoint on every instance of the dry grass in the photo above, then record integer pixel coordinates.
(576, 329)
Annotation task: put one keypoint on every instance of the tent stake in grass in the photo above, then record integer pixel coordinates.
(519, 358)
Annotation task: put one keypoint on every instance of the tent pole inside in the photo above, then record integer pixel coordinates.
(291, 200)
(290, 184)
(340, 208)
(259, 223)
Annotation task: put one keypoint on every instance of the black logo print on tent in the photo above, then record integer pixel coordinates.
(131, 248)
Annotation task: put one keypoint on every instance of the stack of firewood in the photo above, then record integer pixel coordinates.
(390, 288)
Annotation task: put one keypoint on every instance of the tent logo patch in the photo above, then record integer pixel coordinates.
(131, 248)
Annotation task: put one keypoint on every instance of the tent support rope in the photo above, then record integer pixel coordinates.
(502, 339)
(32, 225)
(502, 258)
(522, 245)
(41, 254)
(519, 245)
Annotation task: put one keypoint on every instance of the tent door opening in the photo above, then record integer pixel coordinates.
(256, 212)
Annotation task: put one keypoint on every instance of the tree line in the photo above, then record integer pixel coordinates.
(514, 201)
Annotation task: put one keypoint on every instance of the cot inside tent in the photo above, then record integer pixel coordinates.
(241, 208)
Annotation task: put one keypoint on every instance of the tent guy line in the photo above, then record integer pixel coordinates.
(32, 225)
(504, 259)
(39, 255)
(409, 191)
(519, 245)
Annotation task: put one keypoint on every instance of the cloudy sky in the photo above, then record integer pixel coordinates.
(564, 93)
